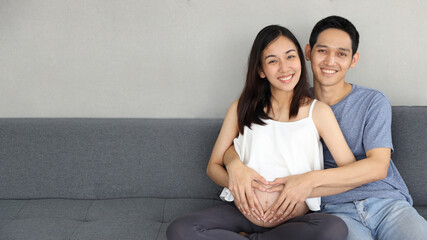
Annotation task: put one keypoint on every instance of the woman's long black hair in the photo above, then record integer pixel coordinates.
(256, 95)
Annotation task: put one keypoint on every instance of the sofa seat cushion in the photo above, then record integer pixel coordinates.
(130, 218)
(422, 210)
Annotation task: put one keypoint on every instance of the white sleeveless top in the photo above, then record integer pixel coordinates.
(280, 149)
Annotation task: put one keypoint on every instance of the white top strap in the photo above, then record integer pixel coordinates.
(311, 108)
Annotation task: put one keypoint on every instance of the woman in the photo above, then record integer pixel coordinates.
(278, 126)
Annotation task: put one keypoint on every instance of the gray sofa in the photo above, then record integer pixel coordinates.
(129, 178)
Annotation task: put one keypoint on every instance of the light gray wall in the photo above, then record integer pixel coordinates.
(171, 58)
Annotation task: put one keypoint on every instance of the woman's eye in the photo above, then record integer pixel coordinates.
(291, 56)
(272, 61)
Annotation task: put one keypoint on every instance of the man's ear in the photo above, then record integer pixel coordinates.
(355, 60)
(307, 51)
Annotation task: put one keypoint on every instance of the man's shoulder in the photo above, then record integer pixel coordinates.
(368, 91)
(370, 94)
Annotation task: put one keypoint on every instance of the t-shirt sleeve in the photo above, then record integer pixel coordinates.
(377, 129)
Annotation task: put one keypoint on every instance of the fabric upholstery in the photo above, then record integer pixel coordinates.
(409, 133)
(106, 158)
(129, 178)
(131, 218)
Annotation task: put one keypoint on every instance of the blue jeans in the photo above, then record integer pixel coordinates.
(384, 219)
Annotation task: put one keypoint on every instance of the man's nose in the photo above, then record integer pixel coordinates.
(330, 59)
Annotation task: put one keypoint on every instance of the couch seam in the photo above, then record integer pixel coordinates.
(163, 219)
(16, 216)
(74, 231)
(87, 211)
(19, 211)
(84, 220)
(158, 232)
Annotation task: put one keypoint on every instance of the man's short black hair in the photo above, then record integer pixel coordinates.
(338, 23)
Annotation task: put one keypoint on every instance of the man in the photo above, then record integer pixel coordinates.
(370, 195)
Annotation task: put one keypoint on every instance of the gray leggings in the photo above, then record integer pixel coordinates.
(224, 222)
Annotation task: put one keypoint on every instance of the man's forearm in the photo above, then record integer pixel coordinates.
(341, 179)
(336, 180)
(231, 156)
(218, 174)
(328, 191)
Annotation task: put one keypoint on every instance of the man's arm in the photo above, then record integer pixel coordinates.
(373, 168)
(319, 183)
(350, 173)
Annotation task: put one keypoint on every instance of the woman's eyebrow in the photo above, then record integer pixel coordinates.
(272, 55)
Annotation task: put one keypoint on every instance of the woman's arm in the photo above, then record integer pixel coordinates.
(330, 132)
(242, 176)
(229, 131)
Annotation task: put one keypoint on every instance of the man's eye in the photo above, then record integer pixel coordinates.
(321, 50)
(342, 54)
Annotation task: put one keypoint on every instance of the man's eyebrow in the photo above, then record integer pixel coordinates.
(287, 52)
(326, 46)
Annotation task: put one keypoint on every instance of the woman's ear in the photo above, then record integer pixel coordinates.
(261, 73)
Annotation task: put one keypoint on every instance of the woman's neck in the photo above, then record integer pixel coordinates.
(280, 103)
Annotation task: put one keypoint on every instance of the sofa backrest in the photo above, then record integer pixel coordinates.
(106, 158)
(166, 158)
(409, 133)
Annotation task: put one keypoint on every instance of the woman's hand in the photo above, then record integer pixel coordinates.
(242, 181)
(294, 190)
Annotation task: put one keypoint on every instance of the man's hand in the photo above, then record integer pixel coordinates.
(242, 181)
(294, 190)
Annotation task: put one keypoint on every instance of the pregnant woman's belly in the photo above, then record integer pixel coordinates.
(266, 199)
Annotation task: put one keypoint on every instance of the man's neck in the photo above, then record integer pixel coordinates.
(331, 95)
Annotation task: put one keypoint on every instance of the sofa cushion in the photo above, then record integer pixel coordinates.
(422, 210)
(106, 158)
(409, 132)
(132, 218)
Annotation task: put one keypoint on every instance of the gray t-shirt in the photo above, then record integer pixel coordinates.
(364, 116)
